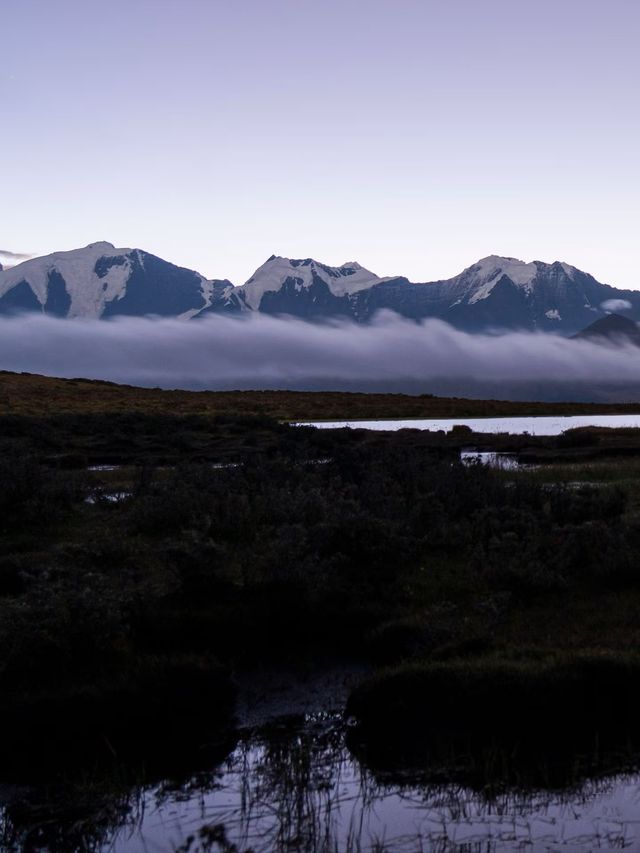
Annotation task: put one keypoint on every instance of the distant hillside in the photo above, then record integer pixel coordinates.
(612, 329)
(33, 395)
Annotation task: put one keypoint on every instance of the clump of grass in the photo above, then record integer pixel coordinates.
(509, 691)
(534, 720)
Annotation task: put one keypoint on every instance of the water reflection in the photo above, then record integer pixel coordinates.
(501, 461)
(100, 495)
(540, 425)
(296, 786)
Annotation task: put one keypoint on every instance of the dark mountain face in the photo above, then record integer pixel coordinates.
(612, 329)
(58, 300)
(313, 302)
(19, 300)
(153, 286)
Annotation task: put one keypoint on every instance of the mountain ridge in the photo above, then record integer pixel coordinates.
(497, 293)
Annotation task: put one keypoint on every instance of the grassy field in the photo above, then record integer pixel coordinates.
(29, 394)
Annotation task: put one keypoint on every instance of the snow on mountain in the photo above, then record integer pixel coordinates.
(88, 292)
(101, 280)
(304, 274)
(478, 281)
(488, 271)
(496, 293)
(499, 293)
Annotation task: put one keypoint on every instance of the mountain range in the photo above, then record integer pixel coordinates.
(496, 293)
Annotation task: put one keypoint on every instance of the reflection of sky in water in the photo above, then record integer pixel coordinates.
(504, 461)
(306, 792)
(547, 425)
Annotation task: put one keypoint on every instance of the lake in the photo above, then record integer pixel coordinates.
(543, 425)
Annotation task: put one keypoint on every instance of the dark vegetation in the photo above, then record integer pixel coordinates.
(522, 718)
(495, 601)
(308, 542)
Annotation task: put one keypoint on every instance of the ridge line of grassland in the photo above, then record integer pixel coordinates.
(42, 396)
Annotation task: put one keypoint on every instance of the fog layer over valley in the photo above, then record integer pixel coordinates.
(391, 354)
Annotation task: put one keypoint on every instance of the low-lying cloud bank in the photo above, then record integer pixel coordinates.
(267, 352)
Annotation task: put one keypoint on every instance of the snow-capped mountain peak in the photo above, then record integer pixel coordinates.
(303, 274)
(77, 274)
(482, 276)
(495, 293)
(101, 280)
(103, 246)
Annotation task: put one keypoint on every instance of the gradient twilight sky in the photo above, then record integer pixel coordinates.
(414, 136)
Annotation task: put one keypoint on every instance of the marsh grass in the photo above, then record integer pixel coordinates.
(379, 550)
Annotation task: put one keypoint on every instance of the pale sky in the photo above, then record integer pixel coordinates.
(414, 136)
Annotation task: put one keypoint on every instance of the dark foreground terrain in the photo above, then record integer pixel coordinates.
(149, 556)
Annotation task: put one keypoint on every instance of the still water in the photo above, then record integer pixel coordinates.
(492, 459)
(301, 789)
(296, 786)
(547, 425)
